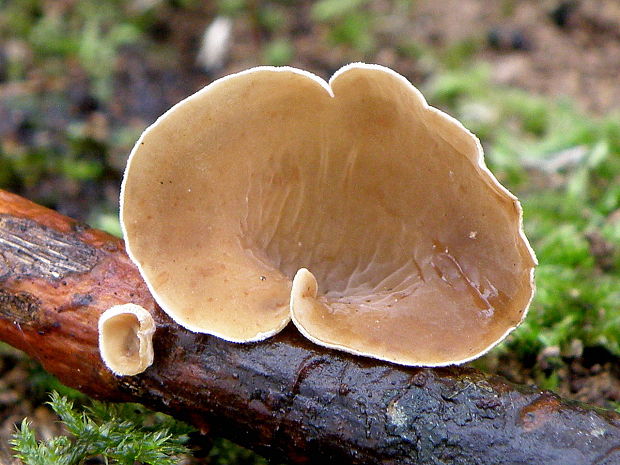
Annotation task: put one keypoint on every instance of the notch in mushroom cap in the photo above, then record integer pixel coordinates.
(126, 339)
(408, 249)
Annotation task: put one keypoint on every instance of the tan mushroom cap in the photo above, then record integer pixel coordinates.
(408, 249)
(126, 339)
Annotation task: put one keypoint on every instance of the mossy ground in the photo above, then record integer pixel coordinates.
(80, 80)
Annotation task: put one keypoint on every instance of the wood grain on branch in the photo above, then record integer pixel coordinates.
(284, 397)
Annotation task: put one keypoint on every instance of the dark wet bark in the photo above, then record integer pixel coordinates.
(284, 397)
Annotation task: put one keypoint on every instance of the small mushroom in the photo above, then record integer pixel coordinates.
(351, 206)
(126, 339)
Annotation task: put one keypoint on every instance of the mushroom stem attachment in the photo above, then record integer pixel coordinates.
(126, 339)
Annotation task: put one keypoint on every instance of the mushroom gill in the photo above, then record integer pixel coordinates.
(354, 207)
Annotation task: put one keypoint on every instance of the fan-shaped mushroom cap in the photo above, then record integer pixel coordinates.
(126, 339)
(408, 249)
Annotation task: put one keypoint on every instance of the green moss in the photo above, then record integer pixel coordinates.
(119, 433)
(278, 52)
(332, 10)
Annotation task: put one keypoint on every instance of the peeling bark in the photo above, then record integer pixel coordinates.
(284, 397)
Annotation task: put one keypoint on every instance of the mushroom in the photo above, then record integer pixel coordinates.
(126, 339)
(353, 207)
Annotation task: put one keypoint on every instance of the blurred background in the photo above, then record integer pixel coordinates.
(536, 80)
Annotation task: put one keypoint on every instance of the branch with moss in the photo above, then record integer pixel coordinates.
(285, 398)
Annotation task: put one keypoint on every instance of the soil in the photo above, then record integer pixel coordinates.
(554, 48)
(592, 377)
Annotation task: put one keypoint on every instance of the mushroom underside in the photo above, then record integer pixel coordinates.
(381, 279)
(415, 249)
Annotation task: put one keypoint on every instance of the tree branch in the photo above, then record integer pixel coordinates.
(285, 397)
